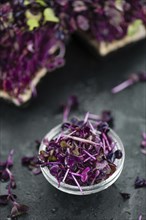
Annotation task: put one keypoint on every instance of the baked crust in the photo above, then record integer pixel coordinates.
(104, 48)
(27, 94)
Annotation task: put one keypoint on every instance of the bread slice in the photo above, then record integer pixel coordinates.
(27, 94)
(104, 48)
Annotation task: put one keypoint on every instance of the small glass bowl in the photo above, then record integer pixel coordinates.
(86, 189)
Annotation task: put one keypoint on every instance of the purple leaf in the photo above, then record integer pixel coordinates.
(140, 182)
(84, 174)
(18, 209)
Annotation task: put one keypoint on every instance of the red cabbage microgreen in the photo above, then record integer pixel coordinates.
(6, 175)
(135, 9)
(140, 217)
(140, 182)
(72, 102)
(134, 78)
(83, 154)
(105, 116)
(143, 143)
(105, 21)
(18, 209)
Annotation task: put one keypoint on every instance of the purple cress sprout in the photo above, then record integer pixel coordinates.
(134, 78)
(105, 116)
(143, 143)
(18, 209)
(6, 175)
(140, 217)
(72, 102)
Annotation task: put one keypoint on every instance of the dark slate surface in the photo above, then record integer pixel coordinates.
(90, 79)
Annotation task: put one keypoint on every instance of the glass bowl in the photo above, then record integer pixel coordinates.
(86, 189)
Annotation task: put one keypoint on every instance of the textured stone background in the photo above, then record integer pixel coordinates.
(91, 79)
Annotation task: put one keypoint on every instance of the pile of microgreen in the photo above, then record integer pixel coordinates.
(102, 20)
(83, 154)
(30, 40)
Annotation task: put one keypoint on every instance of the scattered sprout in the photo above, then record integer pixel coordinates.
(6, 175)
(11, 178)
(18, 209)
(143, 143)
(5, 166)
(72, 102)
(133, 28)
(134, 78)
(105, 116)
(140, 217)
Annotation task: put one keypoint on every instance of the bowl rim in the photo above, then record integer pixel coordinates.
(53, 181)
